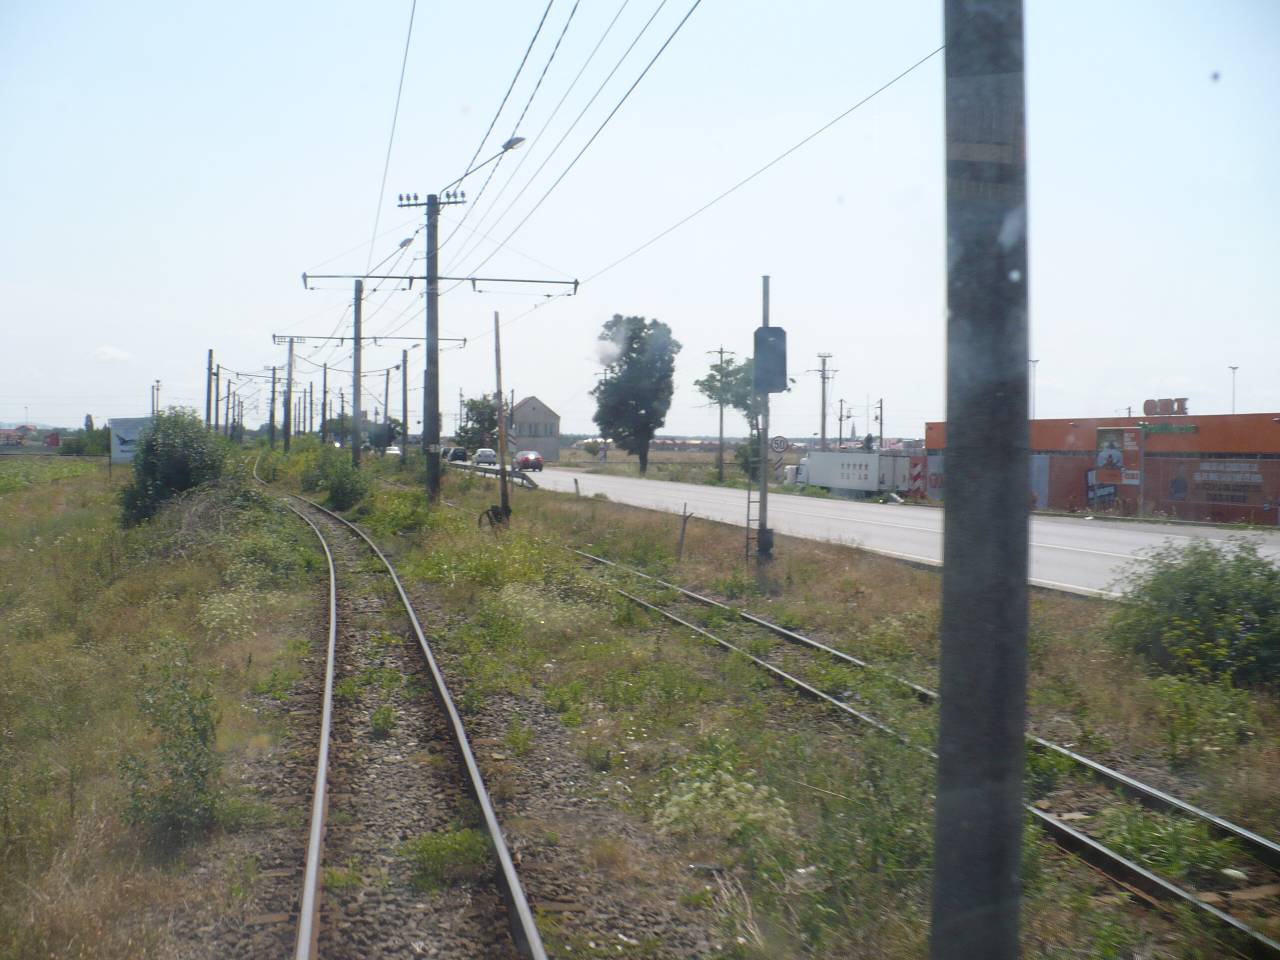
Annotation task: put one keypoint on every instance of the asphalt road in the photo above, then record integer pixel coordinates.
(1067, 553)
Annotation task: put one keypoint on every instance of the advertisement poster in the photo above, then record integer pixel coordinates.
(1119, 457)
(124, 437)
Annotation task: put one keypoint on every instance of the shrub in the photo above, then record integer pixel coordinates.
(1206, 610)
(347, 485)
(383, 720)
(175, 792)
(174, 454)
(1180, 849)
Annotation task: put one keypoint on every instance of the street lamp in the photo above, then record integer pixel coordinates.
(1233, 387)
(509, 145)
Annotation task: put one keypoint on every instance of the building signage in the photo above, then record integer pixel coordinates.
(1169, 407)
(1170, 428)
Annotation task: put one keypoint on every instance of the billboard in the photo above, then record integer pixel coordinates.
(124, 437)
(1119, 457)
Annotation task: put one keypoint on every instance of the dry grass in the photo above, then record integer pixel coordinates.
(83, 603)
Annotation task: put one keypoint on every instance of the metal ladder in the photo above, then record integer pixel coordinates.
(753, 499)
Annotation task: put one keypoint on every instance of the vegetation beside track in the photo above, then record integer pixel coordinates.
(140, 669)
(817, 834)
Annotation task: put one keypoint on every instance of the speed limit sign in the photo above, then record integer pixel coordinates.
(779, 444)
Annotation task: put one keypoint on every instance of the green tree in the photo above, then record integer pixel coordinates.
(173, 454)
(730, 382)
(633, 398)
(479, 427)
(383, 435)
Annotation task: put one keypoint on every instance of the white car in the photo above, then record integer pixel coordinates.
(486, 455)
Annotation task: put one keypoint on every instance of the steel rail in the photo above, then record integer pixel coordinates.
(524, 931)
(1087, 848)
(306, 946)
(1261, 848)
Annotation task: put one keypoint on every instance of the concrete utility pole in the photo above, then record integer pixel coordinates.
(271, 433)
(355, 375)
(721, 351)
(764, 541)
(978, 815)
(824, 375)
(503, 499)
(1233, 387)
(386, 395)
(342, 416)
(880, 421)
(404, 404)
(208, 389)
(217, 394)
(324, 405)
(840, 419)
(288, 398)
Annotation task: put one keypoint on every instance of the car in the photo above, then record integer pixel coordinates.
(528, 460)
(393, 451)
(457, 455)
(486, 455)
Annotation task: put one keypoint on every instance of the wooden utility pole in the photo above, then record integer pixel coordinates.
(324, 405)
(208, 389)
(504, 502)
(404, 404)
(720, 378)
(355, 376)
(271, 432)
(978, 814)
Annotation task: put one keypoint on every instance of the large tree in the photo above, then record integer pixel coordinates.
(633, 397)
(479, 426)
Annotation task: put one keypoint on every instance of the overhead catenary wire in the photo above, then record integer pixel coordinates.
(519, 120)
(533, 145)
(737, 186)
(600, 89)
(395, 116)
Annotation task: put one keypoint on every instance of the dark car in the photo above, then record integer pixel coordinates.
(457, 455)
(528, 460)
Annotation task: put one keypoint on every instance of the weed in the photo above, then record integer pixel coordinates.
(447, 856)
(1178, 848)
(471, 700)
(344, 879)
(519, 737)
(383, 720)
(348, 690)
(1045, 769)
(175, 792)
(244, 874)
(599, 757)
(278, 684)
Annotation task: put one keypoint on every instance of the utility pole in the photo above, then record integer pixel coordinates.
(1234, 368)
(217, 393)
(978, 814)
(404, 404)
(721, 351)
(156, 405)
(324, 405)
(208, 389)
(840, 419)
(880, 420)
(431, 385)
(342, 416)
(355, 375)
(824, 375)
(288, 398)
(272, 430)
(503, 500)
(386, 395)
(226, 426)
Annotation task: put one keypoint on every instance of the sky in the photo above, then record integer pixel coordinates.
(170, 170)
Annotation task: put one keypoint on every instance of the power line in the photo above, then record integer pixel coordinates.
(525, 154)
(741, 183)
(599, 130)
(395, 116)
(782, 156)
(519, 70)
(573, 126)
(519, 120)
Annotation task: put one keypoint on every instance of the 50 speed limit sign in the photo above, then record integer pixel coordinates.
(779, 444)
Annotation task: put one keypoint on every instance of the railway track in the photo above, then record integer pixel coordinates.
(901, 709)
(394, 763)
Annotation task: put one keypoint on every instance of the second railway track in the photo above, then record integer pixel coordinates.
(899, 708)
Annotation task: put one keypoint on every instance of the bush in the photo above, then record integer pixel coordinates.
(174, 454)
(1210, 611)
(175, 792)
(347, 485)
(450, 855)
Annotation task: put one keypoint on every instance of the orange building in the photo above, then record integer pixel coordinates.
(1222, 467)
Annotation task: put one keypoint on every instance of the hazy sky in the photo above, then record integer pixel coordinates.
(169, 170)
